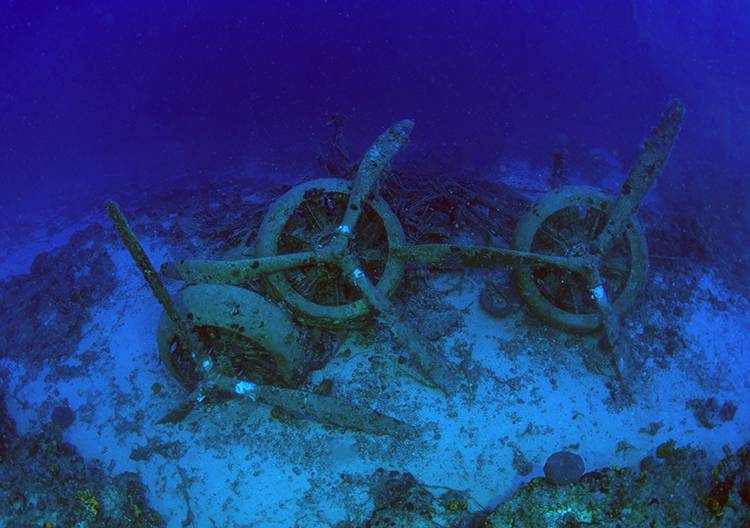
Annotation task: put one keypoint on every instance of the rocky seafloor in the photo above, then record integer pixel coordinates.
(674, 486)
(45, 482)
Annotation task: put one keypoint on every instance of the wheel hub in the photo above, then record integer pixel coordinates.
(580, 249)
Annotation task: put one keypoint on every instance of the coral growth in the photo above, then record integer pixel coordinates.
(45, 482)
(669, 489)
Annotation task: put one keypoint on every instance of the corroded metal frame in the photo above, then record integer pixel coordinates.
(336, 250)
(363, 189)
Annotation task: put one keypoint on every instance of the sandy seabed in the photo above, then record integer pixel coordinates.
(234, 465)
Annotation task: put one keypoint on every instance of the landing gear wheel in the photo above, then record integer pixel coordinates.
(565, 222)
(307, 216)
(245, 336)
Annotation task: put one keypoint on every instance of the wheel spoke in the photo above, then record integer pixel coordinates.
(616, 264)
(337, 286)
(308, 282)
(312, 216)
(575, 294)
(592, 223)
(296, 237)
(548, 283)
(547, 232)
(365, 235)
(562, 294)
(569, 218)
(332, 207)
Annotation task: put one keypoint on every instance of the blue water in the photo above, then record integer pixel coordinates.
(138, 100)
(99, 97)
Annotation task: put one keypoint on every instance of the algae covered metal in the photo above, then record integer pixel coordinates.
(332, 251)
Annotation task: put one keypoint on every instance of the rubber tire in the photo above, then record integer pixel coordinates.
(530, 223)
(308, 312)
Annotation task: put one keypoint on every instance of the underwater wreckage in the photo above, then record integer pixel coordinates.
(331, 251)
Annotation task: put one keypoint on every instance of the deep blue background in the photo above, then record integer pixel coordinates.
(99, 97)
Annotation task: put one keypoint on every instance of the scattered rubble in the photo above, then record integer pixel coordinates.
(709, 413)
